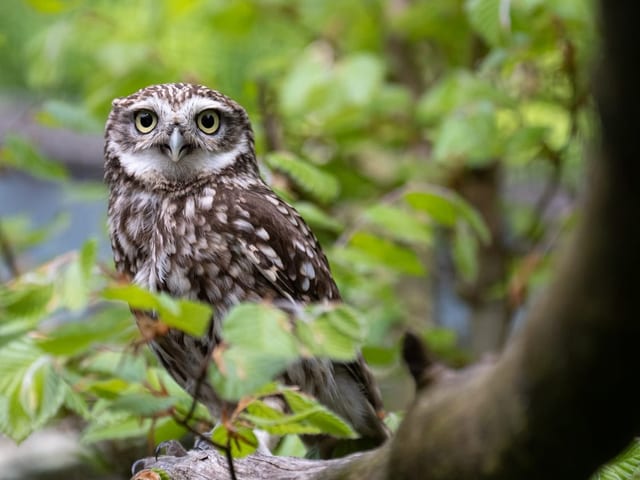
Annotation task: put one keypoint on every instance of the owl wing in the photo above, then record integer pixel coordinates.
(276, 240)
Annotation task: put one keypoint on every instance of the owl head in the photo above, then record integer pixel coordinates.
(176, 133)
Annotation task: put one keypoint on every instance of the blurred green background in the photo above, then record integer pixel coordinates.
(434, 146)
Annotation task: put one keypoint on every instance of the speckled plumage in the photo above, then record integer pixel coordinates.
(190, 215)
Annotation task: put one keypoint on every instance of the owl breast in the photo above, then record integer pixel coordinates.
(182, 245)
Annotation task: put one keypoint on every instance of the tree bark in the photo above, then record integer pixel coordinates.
(563, 397)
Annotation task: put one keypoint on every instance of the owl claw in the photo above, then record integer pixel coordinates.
(172, 448)
(138, 466)
(202, 442)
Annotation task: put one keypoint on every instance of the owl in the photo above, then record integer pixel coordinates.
(190, 215)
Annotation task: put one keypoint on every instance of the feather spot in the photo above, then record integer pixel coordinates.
(270, 274)
(234, 270)
(243, 225)
(205, 202)
(189, 207)
(262, 233)
(209, 192)
(307, 270)
(272, 255)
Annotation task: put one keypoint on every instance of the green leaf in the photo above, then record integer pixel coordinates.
(25, 301)
(457, 91)
(393, 420)
(467, 135)
(291, 446)
(42, 392)
(310, 178)
(382, 356)
(22, 234)
(484, 16)
(75, 337)
(308, 417)
(31, 388)
(550, 116)
(115, 426)
(141, 404)
(78, 279)
(318, 415)
(76, 402)
(260, 345)
(524, 144)
(373, 250)
(440, 339)
(465, 253)
(110, 389)
(626, 466)
(189, 316)
(242, 440)
(14, 421)
(51, 6)
(15, 359)
(359, 76)
(19, 153)
(192, 317)
(166, 428)
(447, 208)
(304, 84)
(88, 257)
(76, 117)
(335, 332)
(316, 218)
(116, 365)
(399, 224)
(161, 473)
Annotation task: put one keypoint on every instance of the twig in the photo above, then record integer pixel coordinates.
(227, 453)
(550, 189)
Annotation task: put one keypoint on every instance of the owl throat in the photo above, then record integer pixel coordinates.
(150, 170)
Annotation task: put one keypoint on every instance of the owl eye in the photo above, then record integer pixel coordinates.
(145, 120)
(208, 121)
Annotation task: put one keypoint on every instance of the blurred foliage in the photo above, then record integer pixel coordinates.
(365, 113)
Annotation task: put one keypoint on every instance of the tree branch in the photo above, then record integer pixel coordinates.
(211, 465)
(561, 400)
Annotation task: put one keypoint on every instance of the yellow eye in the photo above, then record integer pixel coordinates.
(145, 120)
(208, 121)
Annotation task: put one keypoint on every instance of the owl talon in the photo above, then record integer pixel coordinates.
(172, 448)
(202, 442)
(138, 466)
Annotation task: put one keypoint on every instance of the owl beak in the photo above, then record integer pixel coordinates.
(176, 145)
